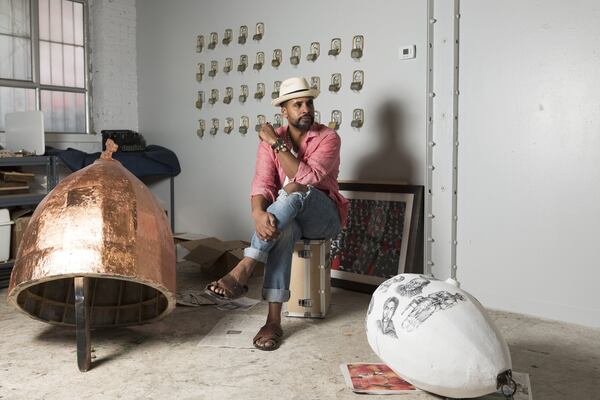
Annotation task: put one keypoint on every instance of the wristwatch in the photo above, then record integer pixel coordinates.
(279, 145)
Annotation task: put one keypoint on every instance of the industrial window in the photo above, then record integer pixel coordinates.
(43, 62)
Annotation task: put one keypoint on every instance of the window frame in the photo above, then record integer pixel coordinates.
(35, 68)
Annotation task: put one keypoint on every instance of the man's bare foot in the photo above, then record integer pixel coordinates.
(269, 336)
(233, 284)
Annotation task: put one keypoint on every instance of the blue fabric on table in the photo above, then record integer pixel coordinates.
(154, 161)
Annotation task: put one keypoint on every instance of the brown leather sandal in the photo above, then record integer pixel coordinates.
(231, 287)
(269, 332)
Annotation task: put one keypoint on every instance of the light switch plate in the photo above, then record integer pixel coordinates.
(407, 52)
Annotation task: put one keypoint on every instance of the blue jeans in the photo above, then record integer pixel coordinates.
(311, 215)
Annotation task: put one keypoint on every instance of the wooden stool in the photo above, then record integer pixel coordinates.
(310, 281)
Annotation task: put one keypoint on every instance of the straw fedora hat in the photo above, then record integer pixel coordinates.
(293, 88)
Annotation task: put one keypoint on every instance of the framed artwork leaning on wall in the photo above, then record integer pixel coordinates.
(382, 238)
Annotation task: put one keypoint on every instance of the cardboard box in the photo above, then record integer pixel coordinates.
(215, 256)
(21, 220)
(185, 242)
(310, 282)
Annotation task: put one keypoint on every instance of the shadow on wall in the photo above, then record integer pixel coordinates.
(390, 162)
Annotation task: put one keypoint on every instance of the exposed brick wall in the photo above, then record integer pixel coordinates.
(113, 64)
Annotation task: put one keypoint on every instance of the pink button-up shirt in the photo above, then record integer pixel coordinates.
(319, 156)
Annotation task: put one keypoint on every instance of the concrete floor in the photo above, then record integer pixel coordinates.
(162, 360)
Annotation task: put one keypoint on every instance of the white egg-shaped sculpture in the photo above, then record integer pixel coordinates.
(436, 336)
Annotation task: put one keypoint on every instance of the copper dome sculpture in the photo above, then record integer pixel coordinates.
(98, 252)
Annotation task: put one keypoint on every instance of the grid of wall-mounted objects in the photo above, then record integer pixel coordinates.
(216, 96)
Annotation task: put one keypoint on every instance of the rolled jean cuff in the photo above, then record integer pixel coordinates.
(255, 254)
(276, 295)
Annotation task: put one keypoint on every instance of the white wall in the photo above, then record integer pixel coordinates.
(528, 215)
(212, 192)
(529, 123)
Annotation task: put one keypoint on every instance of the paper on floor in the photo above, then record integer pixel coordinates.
(201, 297)
(374, 378)
(242, 304)
(377, 378)
(193, 298)
(234, 331)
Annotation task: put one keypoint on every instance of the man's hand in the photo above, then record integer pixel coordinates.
(267, 134)
(266, 225)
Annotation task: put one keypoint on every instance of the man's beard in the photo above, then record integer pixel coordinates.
(304, 123)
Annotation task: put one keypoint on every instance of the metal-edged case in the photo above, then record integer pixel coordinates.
(310, 282)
